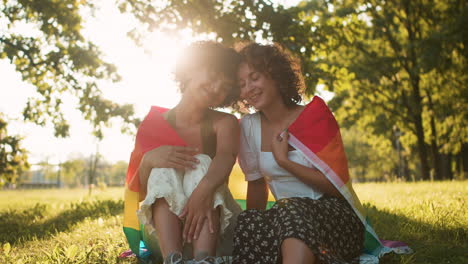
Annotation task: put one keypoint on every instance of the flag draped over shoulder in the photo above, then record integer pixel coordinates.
(315, 133)
(153, 132)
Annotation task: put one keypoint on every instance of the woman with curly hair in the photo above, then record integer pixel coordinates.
(292, 150)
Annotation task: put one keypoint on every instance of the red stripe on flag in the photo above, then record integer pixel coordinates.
(316, 126)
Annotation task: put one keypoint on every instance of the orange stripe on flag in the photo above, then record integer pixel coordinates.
(355, 200)
(334, 156)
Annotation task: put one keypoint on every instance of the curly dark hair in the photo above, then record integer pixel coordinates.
(278, 64)
(214, 57)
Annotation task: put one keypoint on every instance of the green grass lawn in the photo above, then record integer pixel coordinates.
(68, 226)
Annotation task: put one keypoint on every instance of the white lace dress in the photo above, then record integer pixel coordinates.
(176, 187)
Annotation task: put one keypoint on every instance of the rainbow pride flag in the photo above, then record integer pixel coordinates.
(315, 133)
(153, 132)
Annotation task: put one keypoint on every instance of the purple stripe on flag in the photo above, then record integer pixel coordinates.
(392, 244)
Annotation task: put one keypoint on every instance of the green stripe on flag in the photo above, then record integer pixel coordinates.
(371, 244)
(133, 237)
(243, 204)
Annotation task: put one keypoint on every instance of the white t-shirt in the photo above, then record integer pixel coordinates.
(257, 164)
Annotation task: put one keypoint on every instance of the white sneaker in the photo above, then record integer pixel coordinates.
(211, 260)
(205, 260)
(174, 258)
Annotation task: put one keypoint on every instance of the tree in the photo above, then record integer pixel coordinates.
(13, 158)
(117, 173)
(392, 51)
(53, 55)
(364, 160)
(74, 171)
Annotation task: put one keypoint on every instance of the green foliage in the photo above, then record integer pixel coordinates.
(13, 158)
(117, 173)
(396, 51)
(369, 161)
(43, 40)
(73, 172)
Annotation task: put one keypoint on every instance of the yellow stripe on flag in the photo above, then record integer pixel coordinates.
(130, 209)
(357, 204)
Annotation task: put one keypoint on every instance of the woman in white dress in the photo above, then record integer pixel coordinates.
(188, 211)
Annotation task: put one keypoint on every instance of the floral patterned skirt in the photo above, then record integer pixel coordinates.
(328, 226)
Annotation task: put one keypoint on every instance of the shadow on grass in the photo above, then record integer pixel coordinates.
(431, 243)
(23, 225)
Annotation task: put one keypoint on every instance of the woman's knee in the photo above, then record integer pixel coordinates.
(160, 203)
(160, 208)
(294, 250)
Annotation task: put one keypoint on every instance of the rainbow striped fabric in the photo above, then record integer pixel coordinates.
(315, 133)
(153, 132)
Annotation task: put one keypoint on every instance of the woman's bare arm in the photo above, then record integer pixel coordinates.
(227, 148)
(257, 194)
(200, 204)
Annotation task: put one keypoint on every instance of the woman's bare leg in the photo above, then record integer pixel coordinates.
(168, 227)
(294, 251)
(205, 245)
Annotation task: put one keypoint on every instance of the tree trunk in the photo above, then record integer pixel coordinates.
(464, 162)
(406, 170)
(446, 166)
(421, 145)
(422, 149)
(434, 148)
(411, 66)
(92, 173)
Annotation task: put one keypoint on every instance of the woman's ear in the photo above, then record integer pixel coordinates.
(184, 84)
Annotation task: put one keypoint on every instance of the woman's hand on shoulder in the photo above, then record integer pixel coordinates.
(177, 157)
(280, 146)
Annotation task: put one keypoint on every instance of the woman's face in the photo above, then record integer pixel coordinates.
(256, 88)
(208, 88)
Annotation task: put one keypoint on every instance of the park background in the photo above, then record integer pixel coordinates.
(77, 77)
